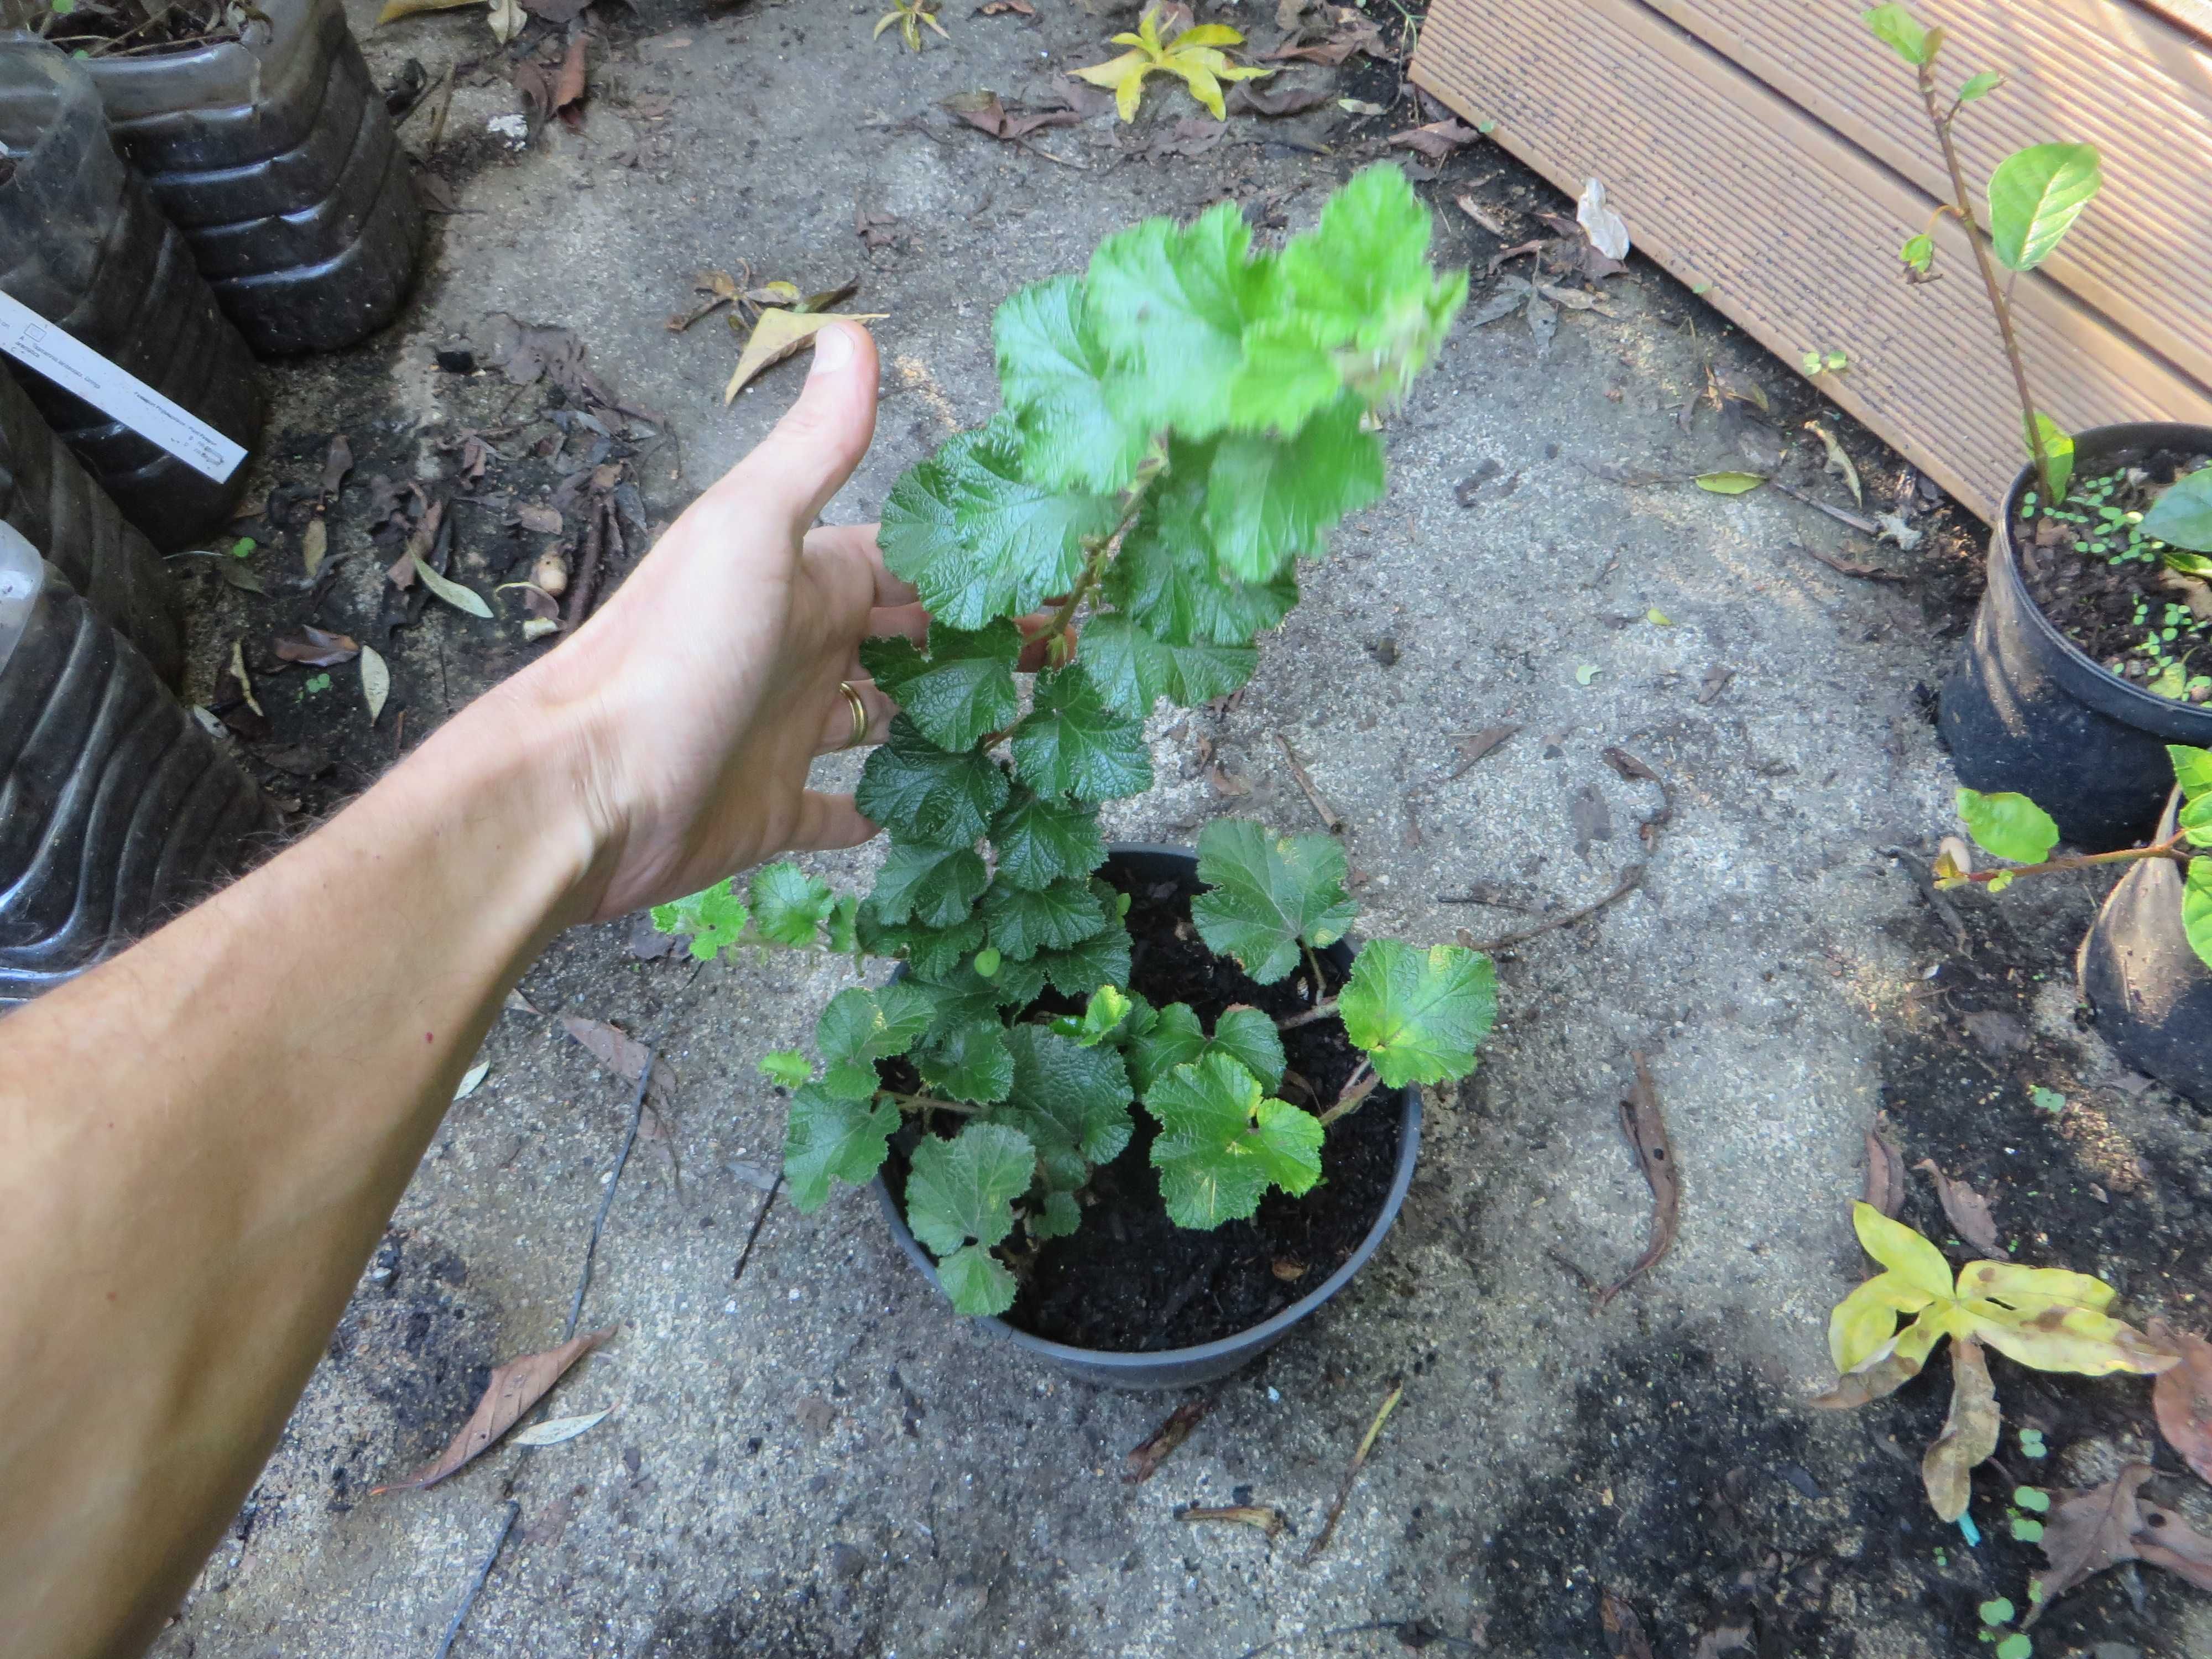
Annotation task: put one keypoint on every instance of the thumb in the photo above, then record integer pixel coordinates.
(798, 467)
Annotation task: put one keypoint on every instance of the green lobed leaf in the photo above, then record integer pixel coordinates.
(715, 919)
(931, 886)
(1165, 575)
(1168, 1037)
(1071, 743)
(1223, 1141)
(930, 796)
(1057, 1218)
(2057, 451)
(967, 1062)
(2009, 824)
(1042, 839)
(963, 996)
(1265, 893)
(2196, 909)
(1102, 959)
(977, 1284)
(841, 932)
(2192, 769)
(790, 905)
(786, 1067)
(2035, 196)
(1054, 373)
(1132, 670)
(1900, 31)
(963, 689)
(1249, 1037)
(2182, 515)
(1072, 1101)
(933, 952)
(1918, 252)
(861, 1027)
(1419, 1014)
(961, 1191)
(1168, 305)
(2194, 821)
(829, 1137)
(1269, 499)
(1020, 921)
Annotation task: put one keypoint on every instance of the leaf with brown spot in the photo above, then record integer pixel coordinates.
(315, 648)
(1885, 1176)
(1145, 1460)
(2182, 1397)
(514, 1388)
(1624, 1631)
(1970, 1432)
(1642, 1121)
(1966, 1210)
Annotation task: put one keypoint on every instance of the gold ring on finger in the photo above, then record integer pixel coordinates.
(859, 707)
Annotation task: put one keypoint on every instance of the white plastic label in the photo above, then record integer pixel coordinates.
(30, 338)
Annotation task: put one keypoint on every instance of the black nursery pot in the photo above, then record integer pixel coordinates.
(2152, 992)
(2026, 710)
(1183, 1368)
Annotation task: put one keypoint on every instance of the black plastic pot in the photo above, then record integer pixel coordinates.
(1184, 1368)
(279, 162)
(50, 498)
(2152, 993)
(82, 245)
(2026, 709)
(117, 809)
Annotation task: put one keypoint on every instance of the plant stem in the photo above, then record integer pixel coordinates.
(1313, 967)
(1320, 1010)
(1093, 568)
(1357, 1088)
(1997, 304)
(925, 1103)
(2173, 849)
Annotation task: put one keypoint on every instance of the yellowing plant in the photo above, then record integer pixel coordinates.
(1194, 55)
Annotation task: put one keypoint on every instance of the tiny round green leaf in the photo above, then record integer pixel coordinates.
(2018, 1645)
(1998, 1610)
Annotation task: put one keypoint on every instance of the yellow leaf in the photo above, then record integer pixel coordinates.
(1970, 1432)
(1206, 34)
(882, 23)
(2031, 1289)
(777, 335)
(1867, 1318)
(395, 10)
(1194, 55)
(1887, 1368)
(2060, 1339)
(1897, 1247)
(1203, 86)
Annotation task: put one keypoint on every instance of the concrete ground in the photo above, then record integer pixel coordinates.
(812, 1455)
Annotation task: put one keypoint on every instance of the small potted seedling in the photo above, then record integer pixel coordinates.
(2092, 649)
(1113, 1095)
(2146, 965)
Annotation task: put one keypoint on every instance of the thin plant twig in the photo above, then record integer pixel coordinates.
(1630, 879)
(1320, 1010)
(760, 1220)
(607, 1203)
(1351, 1474)
(1331, 818)
(1357, 1088)
(454, 1629)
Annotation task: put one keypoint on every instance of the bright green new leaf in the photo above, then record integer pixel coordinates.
(1071, 743)
(977, 1284)
(861, 1027)
(967, 995)
(2035, 196)
(2057, 451)
(829, 1136)
(1265, 893)
(2196, 909)
(1996, 1611)
(1054, 372)
(962, 689)
(2047, 1100)
(928, 796)
(969, 1063)
(1169, 1037)
(1729, 484)
(790, 905)
(2009, 824)
(1040, 839)
(2019, 1644)
(1918, 252)
(2182, 515)
(1169, 306)
(987, 963)
(1102, 1017)
(1180, 597)
(1269, 499)
(931, 886)
(786, 1067)
(1980, 85)
(715, 919)
(1223, 1141)
(1418, 1014)
(1072, 1101)
(1250, 1038)
(1020, 921)
(2031, 1498)
(1102, 959)
(959, 1201)
(1132, 670)
(1900, 31)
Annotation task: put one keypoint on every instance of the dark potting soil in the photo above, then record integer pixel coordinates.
(2094, 599)
(1130, 1281)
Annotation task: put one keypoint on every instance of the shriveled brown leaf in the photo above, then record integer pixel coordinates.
(570, 85)
(514, 1388)
(1593, 819)
(1276, 98)
(1970, 1432)
(1473, 747)
(1624, 1631)
(776, 336)
(338, 461)
(2089, 1530)
(1437, 141)
(2182, 1397)
(538, 517)
(1998, 1033)
(315, 647)
(394, 10)
(1354, 34)
(1000, 8)
(1145, 1460)
(1645, 1126)
(1194, 134)
(1885, 1176)
(1715, 682)
(1266, 1517)
(619, 1051)
(1575, 247)
(523, 351)
(985, 112)
(1352, 1471)
(314, 544)
(1967, 1210)
(1637, 771)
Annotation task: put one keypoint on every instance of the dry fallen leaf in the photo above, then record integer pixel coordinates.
(376, 682)
(1642, 1121)
(984, 112)
(1624, 1631)
(2182, 1397)
(1592, 818)
(395, 10)
(536, 517)
(507, 20)
(514, 1388)
(1967, 1210)
(315, 648)
(1838, 463)
(1351, 1471)
(1474, 746)
(1266, 1517)
(568, 87)
(314, 543)
(2087, 1531)
(1970, 1432)
(777, 335)
(1885, 1176)
(555, 1430)
(453, 593)
(620, 1053)
(1437, 141)
(1355, 33)
(1607, 230)
(238, 673)
(1145, 1460)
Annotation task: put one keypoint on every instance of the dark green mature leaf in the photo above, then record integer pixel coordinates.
(932, 886)
(2009, 825)
(1250, 1037)
(861, 1027)
(1071, 743)
(1057, 1218)
(1054, 372)
(1269, 499)
(966, 997)
(1072, 1101)
(1042, 839)
(1024, 920)
(927, 794)
(959, 1201)
(2192, 769)
(829, 1136)
(1169, 306)
(2035, 196)
(1419, 1014)
(1223, 1141)
(1132, 670)
(962, 689)
(2196, 909)
(2181, 516)
(968, 1062)
(715, 919)
(1165, 575)
(1102, 959)
(1900, 31)
(1159, 1040)
(1266, 893)
(933, 952)
(790, 905)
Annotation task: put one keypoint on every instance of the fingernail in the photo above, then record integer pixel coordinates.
(833, 349)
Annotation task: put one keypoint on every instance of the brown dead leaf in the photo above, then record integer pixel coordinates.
(620, 1053)
(1437, 141)
(314, 647)
(1354, 34)
(1839, 462)
(338, 461)
(568, 86)
(1000, 8)
(1576, 249)
(1966, 1209)
(1481, 216)
(1999, 1035)
(1635, 771)
(1593, 819)
(1474, 746)
(1885, 1176)
(514, 1388)
(1645, 1126)
(1727, 1638)
(2089, 1530)
(778, 334)
(314, 544)
(985, 112)
(524, 351)
(2182, 1397)
(1145, 1460)
(1970, 1432)
(1331, 818)
(538, 517)
(1266, 1517)
(1624, 1631)
(1715, 682)
(1276, 98)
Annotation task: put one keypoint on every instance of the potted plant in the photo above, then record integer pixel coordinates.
(1097, 1067)
(264, 141)
(2146, 965)
(2092, 649)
